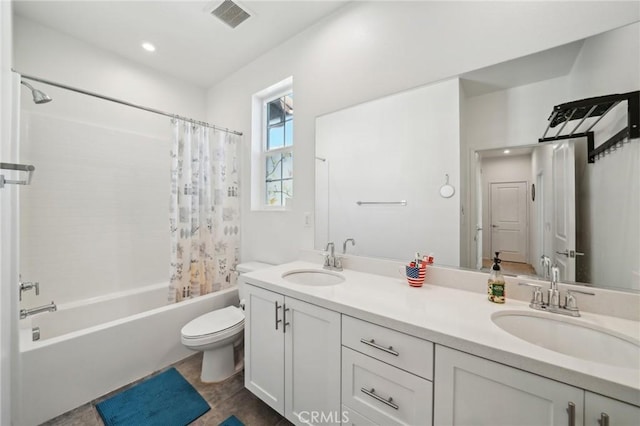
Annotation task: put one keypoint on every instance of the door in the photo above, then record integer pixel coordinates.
(478, 229)
(474, 391)
(508, 218)
(599, 408)
(564, 206)
(264, 346)
(312, 363)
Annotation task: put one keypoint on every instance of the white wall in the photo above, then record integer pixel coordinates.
(7, 234)
(396, 148)
(95, 219)
(611, 64)
(371, 49)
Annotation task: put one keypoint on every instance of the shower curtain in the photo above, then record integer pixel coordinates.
(204, 210)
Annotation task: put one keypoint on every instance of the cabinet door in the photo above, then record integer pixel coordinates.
(598, 407)
(312, 364)
(474, 391)
(264, 346)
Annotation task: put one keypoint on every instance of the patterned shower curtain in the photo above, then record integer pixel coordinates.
(204, 210)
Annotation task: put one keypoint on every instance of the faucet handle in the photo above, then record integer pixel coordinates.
(570, 302)
(537, 299)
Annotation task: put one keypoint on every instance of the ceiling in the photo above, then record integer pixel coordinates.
(551, 63)
(191, 44)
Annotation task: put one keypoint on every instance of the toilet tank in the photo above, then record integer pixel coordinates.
(243, 268)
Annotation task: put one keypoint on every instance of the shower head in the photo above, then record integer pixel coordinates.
(39, 96)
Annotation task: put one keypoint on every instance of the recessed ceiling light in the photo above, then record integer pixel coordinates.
(148, 47)
(506, 151)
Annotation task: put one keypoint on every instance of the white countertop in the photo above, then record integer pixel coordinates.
(458, 319)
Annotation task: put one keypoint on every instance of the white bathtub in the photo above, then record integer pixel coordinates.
(92, 347)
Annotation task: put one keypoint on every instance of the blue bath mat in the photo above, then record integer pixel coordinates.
(165, 399)
(231, 421)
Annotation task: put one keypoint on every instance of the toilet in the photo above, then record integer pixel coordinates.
(215, 334)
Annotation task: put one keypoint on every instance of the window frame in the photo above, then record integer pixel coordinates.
(259, 146)
(265, 152)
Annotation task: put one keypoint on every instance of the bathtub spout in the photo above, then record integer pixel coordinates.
(51, 307)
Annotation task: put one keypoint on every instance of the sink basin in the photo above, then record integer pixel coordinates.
(313, 277)
(571, 337)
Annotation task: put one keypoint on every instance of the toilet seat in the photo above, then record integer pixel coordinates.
(213, 326)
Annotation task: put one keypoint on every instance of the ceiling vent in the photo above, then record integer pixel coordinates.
(230, 13)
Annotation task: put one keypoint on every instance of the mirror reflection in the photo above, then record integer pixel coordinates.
(536, 203)
(546, 204)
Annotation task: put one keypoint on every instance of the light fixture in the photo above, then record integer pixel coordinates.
(148, 47)
(506, 151)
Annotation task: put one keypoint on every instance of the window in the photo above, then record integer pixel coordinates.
(278, 152)
(272, 147)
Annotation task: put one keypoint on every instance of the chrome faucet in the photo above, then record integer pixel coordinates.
(545, 262)
(28, 286)
(330, 260)
(554, 293)
(552, 304)
(51, 307)
(344, 245)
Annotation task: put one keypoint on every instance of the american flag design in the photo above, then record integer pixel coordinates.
(415, 275)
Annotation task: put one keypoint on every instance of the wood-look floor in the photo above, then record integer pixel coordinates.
(226, 398)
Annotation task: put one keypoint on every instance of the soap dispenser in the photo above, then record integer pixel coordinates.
(495, 285)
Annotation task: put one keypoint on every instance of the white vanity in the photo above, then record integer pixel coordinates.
(371, 350)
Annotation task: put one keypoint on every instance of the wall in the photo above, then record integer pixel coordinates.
(505, 118)
(95, 219)
(385, 150)
(611, 64)
(371, 49)
(8, 247)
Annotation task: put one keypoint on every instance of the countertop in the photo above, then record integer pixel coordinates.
(460, 320)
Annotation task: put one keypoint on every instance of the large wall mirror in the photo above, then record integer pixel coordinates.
(380, 167)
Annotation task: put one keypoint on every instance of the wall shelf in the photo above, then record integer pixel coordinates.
(594, 107)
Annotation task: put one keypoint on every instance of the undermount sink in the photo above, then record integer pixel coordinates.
(313, 277)
(571, 337)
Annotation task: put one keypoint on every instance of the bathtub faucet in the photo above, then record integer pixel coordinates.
(51, 307)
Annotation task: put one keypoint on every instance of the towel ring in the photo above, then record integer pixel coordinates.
(446, 190)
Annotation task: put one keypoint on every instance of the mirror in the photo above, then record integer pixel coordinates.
(393, 155)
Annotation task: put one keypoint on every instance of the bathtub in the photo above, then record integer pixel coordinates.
(92, 347)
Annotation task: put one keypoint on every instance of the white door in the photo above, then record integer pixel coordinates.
(474, 391)
(564, 206)
(598, 408)
(312, 363)
(508, 218)
(264, 346)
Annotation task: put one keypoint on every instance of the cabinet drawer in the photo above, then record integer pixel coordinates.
(384, 394)
(398, 349)
(351, 417)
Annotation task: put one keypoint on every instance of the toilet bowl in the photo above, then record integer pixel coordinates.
(215, 334)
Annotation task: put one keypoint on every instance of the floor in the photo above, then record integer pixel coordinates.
(226, 398)
(510, 268)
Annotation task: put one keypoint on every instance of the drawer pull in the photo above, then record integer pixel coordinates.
(373, 395)
(373, 344)
(571, 409)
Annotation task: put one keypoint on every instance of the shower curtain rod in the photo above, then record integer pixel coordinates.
(129, 104)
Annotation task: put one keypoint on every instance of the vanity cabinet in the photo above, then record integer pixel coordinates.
(472, 390)
(292, 356)
(386, 375)
(600, 409)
